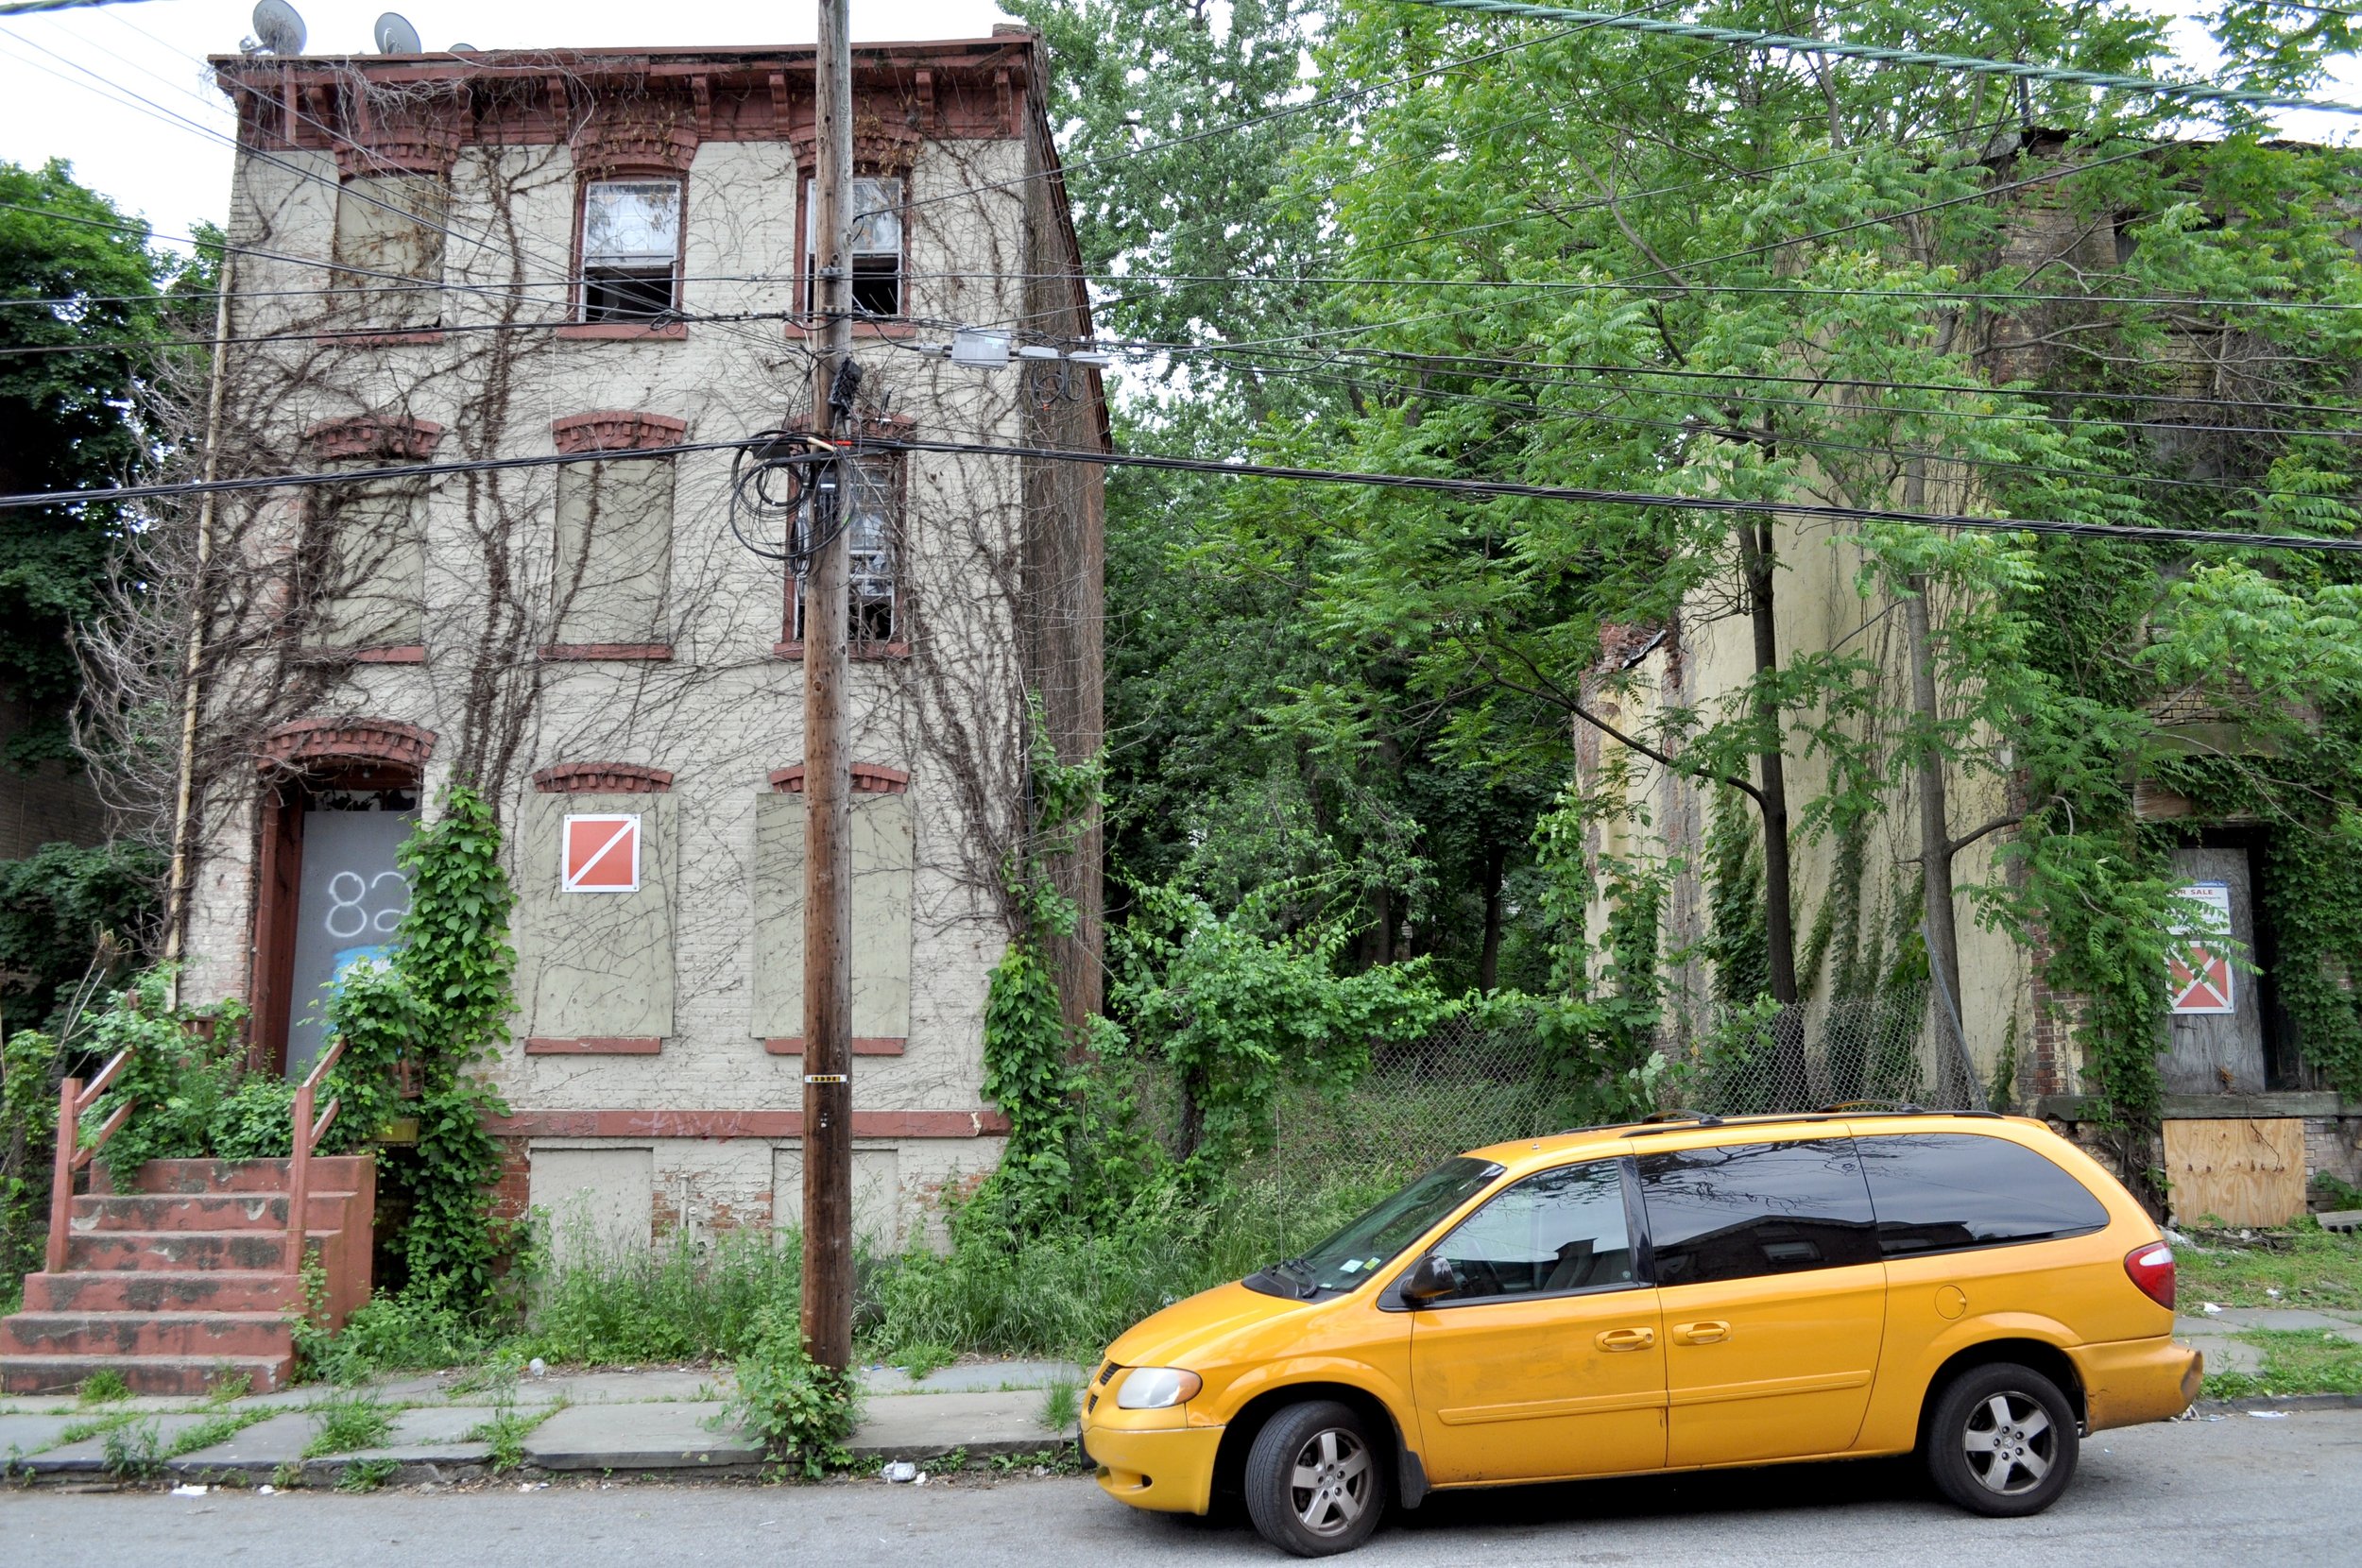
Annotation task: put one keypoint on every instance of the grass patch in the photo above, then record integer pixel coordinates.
(505, 1433)
(213, 1429)
(2308, 1267)
(366, 1475)
(1061, 1403)
(98, 1427)
(919, 1360)
(135, 1452)
(103, 1387)
(350, 1423)
(2297, 1361)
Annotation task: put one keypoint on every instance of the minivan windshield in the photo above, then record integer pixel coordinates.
(1348, 1258)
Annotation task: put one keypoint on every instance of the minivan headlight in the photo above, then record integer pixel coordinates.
(1157, 1388)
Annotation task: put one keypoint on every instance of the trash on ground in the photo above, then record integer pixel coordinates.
(266, 1491)
(538, 1367)
(2209, 1308)
(899, 1470)
(185, 1490)
(2270, 1415)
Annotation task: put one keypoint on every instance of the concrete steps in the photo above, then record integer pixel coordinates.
(190, 1279)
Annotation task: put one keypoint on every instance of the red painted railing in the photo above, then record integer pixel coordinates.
(73, 1098)
(307, 1136)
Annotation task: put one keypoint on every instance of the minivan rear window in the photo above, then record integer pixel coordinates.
(1942, 1192)
(1757, 1208)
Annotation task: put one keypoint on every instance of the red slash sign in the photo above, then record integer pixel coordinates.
(602, 854)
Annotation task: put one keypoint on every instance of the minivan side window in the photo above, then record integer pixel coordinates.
(1757, 1208)
(1551, 1234)
(1941, 1192)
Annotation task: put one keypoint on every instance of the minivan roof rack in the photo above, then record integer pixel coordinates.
(1899, 1107)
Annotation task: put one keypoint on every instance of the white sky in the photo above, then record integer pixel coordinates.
(175, 171)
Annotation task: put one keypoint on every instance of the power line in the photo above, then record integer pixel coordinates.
(1489, 488)
(29, 8)
(1748, 37)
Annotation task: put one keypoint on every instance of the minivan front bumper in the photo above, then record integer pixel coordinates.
(1169, 1469)
(2130, 1381)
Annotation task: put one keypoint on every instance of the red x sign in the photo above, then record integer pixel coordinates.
(2198, 971)
(602, 854)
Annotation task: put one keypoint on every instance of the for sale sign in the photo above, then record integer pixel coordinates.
(602, 854)
(2199, 967)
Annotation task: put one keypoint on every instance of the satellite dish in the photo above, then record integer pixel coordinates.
(461, 49)
(395, 36)
(278, 27)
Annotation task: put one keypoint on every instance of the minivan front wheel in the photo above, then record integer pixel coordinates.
(2002, 1441)
(1315, 1483)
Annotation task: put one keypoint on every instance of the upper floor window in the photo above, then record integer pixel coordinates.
(873, 537)
(875, 217)
(631, 233)
(389, 247)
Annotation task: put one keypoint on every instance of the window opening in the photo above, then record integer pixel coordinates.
(630, 248)
(876, 215)
(388, 247)
(1553, 1235)
(1751, 1209)
(874, 603)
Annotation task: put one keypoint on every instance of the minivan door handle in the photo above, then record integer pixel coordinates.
(1627, 1338)
(1710, 1332)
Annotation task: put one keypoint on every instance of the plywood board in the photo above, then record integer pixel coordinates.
(2248, 1171)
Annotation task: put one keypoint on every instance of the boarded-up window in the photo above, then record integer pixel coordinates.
(364, 571)
(877, 1192)
(389, 248)
(883, 862)
(594, 964)
(600, 1201)
(614, 550)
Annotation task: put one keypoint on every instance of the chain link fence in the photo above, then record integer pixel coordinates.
(1478, 1081)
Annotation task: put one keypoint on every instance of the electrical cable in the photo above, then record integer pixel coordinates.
(1748, 37)
(1486, 488)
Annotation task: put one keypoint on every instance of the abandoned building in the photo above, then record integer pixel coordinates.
(475, 258)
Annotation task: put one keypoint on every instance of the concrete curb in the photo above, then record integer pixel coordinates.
(2285, 1402)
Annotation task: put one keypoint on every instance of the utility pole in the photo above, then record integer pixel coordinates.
(828, 1282)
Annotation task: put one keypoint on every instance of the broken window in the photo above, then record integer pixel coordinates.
(875, 219)
(614, 550)
(362, 572)
(874, 607)
(388, 248)
(630, 249)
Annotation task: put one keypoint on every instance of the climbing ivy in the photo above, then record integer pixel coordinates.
(433, 1017)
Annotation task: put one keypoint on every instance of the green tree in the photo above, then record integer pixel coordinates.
(83, 284)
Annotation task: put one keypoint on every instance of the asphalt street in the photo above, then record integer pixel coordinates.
(2280, 1492)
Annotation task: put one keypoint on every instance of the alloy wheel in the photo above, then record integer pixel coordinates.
(2010, 1442)
(1331, 1485)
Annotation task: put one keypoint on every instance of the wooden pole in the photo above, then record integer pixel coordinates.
(828, 1279)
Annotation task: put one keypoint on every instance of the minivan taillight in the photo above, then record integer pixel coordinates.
(2151, 1267)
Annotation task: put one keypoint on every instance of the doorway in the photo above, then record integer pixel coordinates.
(330, 898)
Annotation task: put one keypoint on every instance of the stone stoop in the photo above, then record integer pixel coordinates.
(187, 1281)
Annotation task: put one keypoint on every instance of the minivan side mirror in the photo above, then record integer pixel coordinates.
(1431, 1279)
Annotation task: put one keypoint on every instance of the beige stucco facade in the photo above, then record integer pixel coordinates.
(648, 672)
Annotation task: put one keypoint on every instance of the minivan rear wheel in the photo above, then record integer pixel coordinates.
(1315, 1483)
(2002, 1441)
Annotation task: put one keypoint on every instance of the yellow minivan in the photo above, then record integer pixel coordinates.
(1678, 1294)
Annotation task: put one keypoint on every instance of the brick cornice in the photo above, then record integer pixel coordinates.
(431, 149)
(602, 778)
(652, 136)
(373, 435)
(309, 741)
(616, 429)
(869, 779)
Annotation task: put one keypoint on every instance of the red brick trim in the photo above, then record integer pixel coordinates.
(602, 778)
(724, 1125)
(624, 331)
(370, 148)
(616, 429)
(858, 652)
(412, 653)
(864, 1044)
(594, 1045)
(559, 652)
(374, 435)
(619, 144)
(869, 779)
(313, 740)
(880, 147)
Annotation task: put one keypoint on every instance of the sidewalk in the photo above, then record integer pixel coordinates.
(446, 1428)
(2214, 1332)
